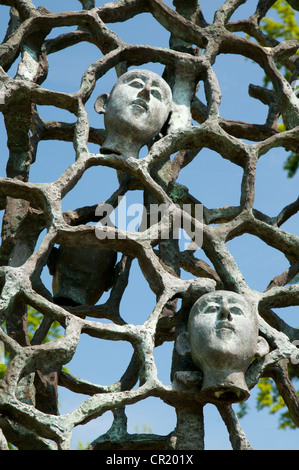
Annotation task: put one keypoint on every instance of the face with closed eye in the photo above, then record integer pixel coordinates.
(138, 106)
(223, 328)
(223, 338)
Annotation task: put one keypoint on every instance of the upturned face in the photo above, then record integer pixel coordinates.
(223, 331)
(138, 106)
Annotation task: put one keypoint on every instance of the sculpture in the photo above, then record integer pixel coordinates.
(223, 338)
(135, 111)
(294, 4)
(81, 275)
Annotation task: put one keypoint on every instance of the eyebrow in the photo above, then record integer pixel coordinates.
(231, 300)
(134, 77)
(157, 84)
(144, 78)
(237, 301)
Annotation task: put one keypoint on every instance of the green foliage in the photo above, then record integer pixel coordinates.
(283, 27)
(2, 370)
(34, 319)
(145, 429)
(81, 446)
(268, 397)
(292, 164)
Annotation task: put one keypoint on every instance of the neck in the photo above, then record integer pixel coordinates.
(225, 385)
(121, 146)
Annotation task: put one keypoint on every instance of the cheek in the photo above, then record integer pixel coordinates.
(158, 113)
(120, 98)
(247, 336)
(117, 106)
(246, 327)
(201, 334)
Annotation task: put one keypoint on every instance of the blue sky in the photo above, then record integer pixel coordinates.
(210, 178)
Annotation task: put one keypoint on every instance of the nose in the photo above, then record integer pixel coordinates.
(224, 312)
(145, 92)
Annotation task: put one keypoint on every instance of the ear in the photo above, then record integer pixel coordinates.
(182, 345)
(101, 103)
(262, 347)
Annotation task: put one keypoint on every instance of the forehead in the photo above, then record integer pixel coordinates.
(145, 76)
(217, 298)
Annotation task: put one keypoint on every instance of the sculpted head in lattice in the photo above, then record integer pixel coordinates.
(134, 112)
(223, 337)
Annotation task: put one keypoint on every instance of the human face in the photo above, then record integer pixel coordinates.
(223, 330)
(138, 106)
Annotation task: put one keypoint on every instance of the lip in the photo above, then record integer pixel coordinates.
(143, 104)
(226, 326)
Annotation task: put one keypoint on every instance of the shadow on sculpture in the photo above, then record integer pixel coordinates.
(135, 111)
(222, 338)
(294, 4)
(81, 275)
